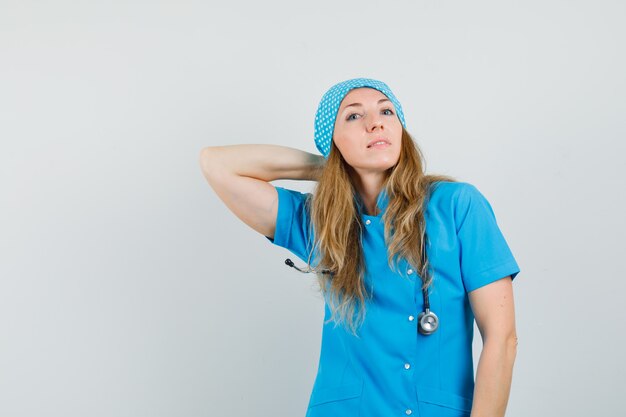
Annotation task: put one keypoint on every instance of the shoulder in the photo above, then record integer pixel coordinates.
(293, 194)
(458, 192)
(459, 200)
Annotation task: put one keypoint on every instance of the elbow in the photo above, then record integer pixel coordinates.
(505, 345)
(206, 158)
(511, 346)
(204, 153)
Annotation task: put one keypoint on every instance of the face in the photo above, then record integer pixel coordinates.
(367, 116)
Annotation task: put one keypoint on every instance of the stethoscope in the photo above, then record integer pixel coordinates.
(427, 321)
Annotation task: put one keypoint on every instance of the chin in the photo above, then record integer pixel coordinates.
(380, 165)
(377, 167)
(389, 163)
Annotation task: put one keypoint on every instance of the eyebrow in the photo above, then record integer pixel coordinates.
(359, 104)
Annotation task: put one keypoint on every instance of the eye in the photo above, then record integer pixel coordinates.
(356, 114)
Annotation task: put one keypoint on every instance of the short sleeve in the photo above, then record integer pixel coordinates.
(485, 255)
(293, 226)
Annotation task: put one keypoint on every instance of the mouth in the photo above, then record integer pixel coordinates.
(379, 143)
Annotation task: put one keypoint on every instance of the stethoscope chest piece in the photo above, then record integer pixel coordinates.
(427, 322)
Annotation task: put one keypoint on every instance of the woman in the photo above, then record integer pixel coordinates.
(387, 242)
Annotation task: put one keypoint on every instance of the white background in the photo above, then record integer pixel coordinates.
(127, 288)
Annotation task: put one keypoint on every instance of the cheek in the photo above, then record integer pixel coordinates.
(348, 152)
(338, 144)
(344, 143)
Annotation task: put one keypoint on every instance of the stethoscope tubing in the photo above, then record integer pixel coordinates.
(427, 321)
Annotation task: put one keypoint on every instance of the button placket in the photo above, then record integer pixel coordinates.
(410, 271)
(407, 365)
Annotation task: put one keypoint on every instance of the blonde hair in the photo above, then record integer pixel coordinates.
(337, 228)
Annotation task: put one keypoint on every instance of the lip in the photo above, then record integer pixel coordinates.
(369, 145)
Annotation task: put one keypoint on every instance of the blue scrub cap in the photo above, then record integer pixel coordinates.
(327, 109)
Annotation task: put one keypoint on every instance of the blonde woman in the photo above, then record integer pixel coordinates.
(405, 261)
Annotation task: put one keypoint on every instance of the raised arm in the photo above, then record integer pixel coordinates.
(240, 175)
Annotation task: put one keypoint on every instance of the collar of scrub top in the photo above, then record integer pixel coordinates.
(381, 202)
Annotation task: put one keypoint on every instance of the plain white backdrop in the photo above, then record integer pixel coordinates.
(128, 289)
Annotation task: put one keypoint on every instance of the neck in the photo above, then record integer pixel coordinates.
(369, 187)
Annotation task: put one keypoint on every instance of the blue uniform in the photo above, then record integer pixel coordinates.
(392, 370)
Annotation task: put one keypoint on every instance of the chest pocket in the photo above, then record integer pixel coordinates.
(343, 400)
(433, 402)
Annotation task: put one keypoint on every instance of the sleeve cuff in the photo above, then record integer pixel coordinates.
(493, 274)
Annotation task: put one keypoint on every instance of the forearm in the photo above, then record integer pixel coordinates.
(493, 378)
(263, 161)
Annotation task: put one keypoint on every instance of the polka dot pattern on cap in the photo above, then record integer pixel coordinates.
(329, 105)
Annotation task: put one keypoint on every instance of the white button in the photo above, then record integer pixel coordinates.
(408, 411)
(407, 365)
(368, 221)
(411, 318)
(410, 271)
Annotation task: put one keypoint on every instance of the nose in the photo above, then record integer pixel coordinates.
(376, 122)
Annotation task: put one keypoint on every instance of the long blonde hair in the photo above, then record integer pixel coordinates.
(337, 228)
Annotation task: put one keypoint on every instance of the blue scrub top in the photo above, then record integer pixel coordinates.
(391, 369)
